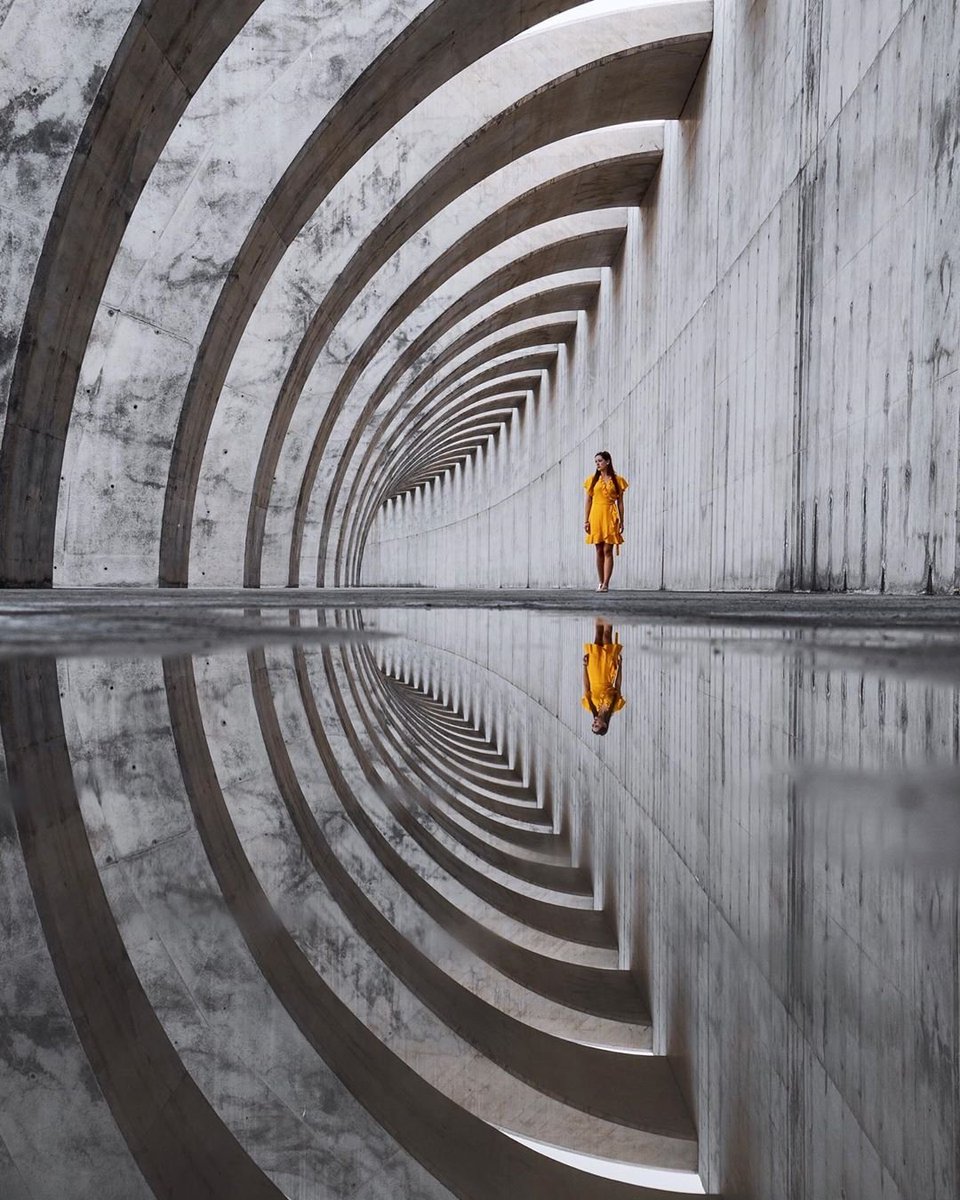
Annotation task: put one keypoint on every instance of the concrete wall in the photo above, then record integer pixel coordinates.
(200, 324)
(221, 217)
(773, 361)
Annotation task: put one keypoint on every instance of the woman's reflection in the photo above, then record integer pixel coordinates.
(602, 669)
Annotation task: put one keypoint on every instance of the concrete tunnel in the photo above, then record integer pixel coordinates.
(326, 295)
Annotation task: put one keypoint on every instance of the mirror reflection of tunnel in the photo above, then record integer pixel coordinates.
(390, 895)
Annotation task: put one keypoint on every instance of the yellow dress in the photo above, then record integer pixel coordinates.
(603, 664)
(604, 517)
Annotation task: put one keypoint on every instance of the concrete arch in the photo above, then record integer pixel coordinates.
(410, 70)
(413, 852)
(516, 363)
(514, 349)
(596, 248)
(605, 183)
(464, 425)
(644, 82)
(162, 60)
(570, 298)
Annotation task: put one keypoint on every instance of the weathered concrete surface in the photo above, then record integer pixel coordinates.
(159, 67)
(213, 318)
(772, 364)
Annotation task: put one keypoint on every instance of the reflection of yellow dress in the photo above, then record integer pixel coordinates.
(604, 518)
(603, 663)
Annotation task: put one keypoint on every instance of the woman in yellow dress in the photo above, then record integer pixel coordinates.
(602, 669)
(603, 515)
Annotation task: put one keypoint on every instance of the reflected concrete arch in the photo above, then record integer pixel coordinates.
(545, 1059)
(436, 1129)
(176, 1138)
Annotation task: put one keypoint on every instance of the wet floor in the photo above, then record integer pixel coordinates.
(485, 902)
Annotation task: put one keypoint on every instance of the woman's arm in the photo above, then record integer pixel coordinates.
(587, 694)
(586, 512)
(620, 510)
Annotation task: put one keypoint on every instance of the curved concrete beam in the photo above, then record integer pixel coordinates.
(470, 1156)
(434, 48)
(165, 55)
(607, 1085)
(650, 81)
(488, 421)
(607, 183)
(646, 82)
(176, 1138)
(593, 249)
(515, 349)
(549, 264)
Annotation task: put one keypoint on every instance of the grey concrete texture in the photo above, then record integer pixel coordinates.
(204, 331)
(160, 398)
(341, 294)
(101, 612)
(252, 932)
(771, 361)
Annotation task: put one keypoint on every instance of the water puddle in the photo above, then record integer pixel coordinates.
(424, 902)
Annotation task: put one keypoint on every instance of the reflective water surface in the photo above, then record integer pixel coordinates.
(430, 902)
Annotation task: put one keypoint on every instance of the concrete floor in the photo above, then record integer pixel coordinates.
(828, 609)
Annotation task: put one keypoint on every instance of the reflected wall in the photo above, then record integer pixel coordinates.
(772, 825)
(286, 912)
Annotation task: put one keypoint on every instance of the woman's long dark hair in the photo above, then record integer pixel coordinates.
(596, 479)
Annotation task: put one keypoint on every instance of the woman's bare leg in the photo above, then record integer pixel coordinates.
(607, 565)
(603, 634)
(599, 548)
